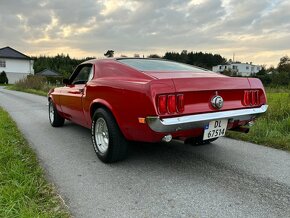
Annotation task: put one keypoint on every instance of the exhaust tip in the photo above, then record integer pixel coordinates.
(251, 123)
(167, 138)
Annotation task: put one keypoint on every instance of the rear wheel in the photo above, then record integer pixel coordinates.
(54, 118)
(108, 141)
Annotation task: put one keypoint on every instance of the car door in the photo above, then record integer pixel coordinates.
(72, 94)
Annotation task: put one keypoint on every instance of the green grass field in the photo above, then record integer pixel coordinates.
(24, 192)
(272, 128)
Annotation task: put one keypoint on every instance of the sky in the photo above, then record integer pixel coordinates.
(253, 31)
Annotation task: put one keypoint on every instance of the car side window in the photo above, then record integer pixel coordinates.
(83, 75)
(91, 75)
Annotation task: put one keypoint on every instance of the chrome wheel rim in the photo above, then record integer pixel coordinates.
(51, 112)
(101, 135)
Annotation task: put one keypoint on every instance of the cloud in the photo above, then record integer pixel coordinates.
(255, 31)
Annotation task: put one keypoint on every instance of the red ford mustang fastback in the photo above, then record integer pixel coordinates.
(153, 100)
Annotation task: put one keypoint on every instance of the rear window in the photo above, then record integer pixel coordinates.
(158, 65)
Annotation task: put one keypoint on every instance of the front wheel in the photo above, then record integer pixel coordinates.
(108, 141)
(54, 118)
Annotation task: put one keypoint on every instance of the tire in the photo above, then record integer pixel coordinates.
(198, 141)
(54, 118)
(108, 141)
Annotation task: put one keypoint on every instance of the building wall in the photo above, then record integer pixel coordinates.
(242, 69)
(16, 69)
(14, 77)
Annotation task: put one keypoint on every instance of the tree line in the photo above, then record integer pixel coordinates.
(200, 59)
(279, 76)
(64, 64)
(61, 63)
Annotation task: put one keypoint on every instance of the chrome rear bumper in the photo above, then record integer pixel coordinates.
(187, 122)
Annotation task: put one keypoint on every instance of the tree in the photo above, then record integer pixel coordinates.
(264, 76)
(205, 60)
(3, 78)
(230, 72)
(109, 53)
(262, 72)
(284, 64)
(184, 56)
(61, 63)
(281, 76)
(154, 56)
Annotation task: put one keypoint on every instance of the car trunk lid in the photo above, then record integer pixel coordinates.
(200, 88)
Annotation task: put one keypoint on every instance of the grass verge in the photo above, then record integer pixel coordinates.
(24, 192)
(272, 128)
(32, 84)
(32, 91)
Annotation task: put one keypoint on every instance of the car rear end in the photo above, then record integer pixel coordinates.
(206, 106)
(189, 102)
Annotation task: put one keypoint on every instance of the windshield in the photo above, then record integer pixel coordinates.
(158, 65)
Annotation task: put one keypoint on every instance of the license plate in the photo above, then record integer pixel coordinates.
(215, 128)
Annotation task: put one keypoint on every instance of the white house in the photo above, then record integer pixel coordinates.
(242, 69)
(15, 64)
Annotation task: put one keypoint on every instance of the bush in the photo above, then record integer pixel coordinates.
(3, 78)
(281, 78)
(33, 82)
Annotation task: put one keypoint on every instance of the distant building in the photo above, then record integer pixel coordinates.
(242, 69)
(52, 77)
(48, 73)
(15, 64)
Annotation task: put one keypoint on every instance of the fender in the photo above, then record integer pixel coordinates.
(102, 102)
(54, 96)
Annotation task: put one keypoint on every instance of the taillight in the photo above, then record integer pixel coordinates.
(251, 97)
(180, 103)
(162, 104)
(257, 97)
(170, 103)
(254, 98)
(247, 98)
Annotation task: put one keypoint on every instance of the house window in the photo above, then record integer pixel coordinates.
(2, 63)
(235, 67)
(247, 67)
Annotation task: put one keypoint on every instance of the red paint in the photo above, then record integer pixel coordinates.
(180, 103)
(251, 97)
(130, 94)
(162, 104)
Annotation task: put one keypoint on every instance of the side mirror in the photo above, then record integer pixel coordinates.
(66, 81)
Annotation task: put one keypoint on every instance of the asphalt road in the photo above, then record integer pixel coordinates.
(228, 178)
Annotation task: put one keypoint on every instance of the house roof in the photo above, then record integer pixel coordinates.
(48, 72)
(8, 52)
